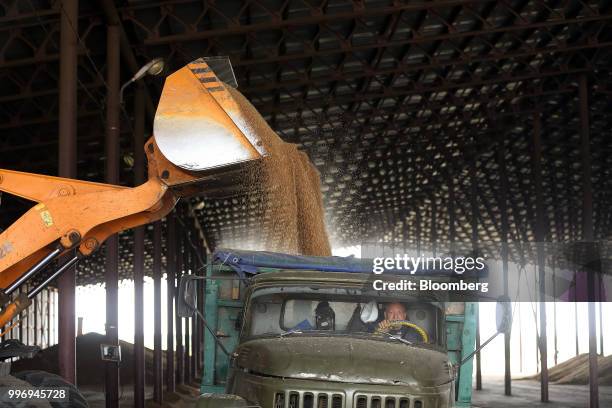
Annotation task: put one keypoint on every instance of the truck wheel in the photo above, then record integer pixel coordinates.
(11, 382)
(43, 379)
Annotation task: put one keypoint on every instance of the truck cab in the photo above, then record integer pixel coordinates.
(308, 338)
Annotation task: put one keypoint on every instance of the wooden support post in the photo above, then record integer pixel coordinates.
(537, 313)
(450, 181)
(576, 315)
(36, 324)
(540, 236)
(23, 317)
(187, 322)
(139, 249)
(180, 351)
(112, 177)
(170, 282)
(49, 318)
(194, 320)
(554, 288)
(67, 168)
(574, 237)
(434, 225)
(503, 200)
(520, 339)
(474, 238)
(601, 327)
(587, 233)
(157, 318)
(417, 220)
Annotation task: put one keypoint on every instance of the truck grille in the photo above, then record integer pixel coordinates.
(294, 399)
(301, 399)
(386, 401)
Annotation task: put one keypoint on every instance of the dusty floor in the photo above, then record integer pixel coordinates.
(526, 393)
(184, 397)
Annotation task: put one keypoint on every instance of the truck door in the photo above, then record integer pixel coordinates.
(460, 342)
(222, 307)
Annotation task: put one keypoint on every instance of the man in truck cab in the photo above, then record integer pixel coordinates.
(396, 312)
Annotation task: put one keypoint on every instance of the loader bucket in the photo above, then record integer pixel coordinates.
(199, 126)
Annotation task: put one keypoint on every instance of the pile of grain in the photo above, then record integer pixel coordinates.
(287, 189)
(576, 371)
(89, 362)
(90, 372)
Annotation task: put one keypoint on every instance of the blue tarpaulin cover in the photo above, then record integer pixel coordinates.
(248, 262)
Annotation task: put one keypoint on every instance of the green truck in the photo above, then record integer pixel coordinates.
(301, 332)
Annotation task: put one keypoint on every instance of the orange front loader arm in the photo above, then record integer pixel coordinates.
(70, 214)
(65, 217)
(201, 133)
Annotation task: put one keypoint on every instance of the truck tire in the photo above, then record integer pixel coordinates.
(43, 379)
(9, 381)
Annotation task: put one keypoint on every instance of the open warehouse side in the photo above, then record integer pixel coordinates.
(178, 174)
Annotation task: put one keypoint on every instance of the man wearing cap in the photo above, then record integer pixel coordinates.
(396, 311)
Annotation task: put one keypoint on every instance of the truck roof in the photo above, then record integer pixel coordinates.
(255, 262)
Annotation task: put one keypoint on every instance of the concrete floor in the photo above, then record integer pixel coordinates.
(527, 394)
(185, 397)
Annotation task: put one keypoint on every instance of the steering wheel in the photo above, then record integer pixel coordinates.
(405, 323)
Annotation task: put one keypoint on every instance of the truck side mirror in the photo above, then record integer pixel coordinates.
(503, 315)
(187, 305)
(503, 319)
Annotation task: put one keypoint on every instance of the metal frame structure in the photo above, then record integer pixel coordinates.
(430, 122)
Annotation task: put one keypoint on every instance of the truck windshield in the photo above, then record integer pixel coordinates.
(318, 311)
